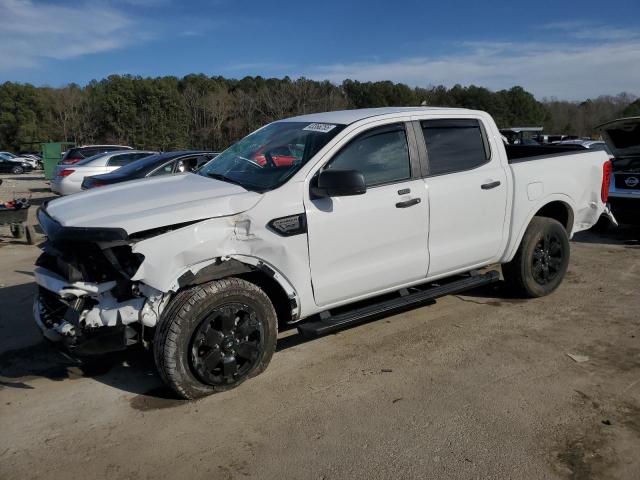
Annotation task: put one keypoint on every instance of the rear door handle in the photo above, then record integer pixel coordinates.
(489, 186)
(408, 203)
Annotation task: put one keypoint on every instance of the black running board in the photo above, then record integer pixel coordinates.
(326, 322)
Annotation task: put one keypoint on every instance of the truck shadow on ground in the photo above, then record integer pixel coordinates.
(132, 371)
(628, 235)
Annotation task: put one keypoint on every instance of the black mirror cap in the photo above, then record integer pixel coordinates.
(340, 183)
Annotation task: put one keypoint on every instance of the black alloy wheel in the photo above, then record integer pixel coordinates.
(226, 345)
(541, 260)
(214, 336)
(547, 259)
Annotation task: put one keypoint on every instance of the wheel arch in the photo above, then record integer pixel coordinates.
(284, 297)
(558, 210)
(557, 207)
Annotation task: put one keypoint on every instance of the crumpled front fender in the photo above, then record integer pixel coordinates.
(182, 253)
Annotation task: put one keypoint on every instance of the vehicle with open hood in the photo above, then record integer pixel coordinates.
(623, 138)
(320, 221)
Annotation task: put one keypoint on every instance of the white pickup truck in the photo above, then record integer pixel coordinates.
(324, 221)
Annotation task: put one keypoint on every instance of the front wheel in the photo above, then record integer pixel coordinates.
(541, 260)
(213, 337)
(17, 170)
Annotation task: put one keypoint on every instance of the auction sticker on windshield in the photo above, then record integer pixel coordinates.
(319, 127)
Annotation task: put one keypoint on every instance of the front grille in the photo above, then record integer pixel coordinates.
(52, 308)
(83, 261)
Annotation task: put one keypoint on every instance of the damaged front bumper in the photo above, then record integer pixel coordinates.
(87, 318)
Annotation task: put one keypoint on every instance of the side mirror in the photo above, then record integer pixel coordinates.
(339, 183)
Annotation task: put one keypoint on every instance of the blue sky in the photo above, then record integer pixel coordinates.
(565, 49)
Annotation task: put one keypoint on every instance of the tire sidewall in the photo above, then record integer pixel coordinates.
(17, 170)
(539, 229)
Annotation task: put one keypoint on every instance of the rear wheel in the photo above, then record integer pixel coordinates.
(213, 337)
(541, 260)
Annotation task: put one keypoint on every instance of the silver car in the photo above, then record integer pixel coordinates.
(68, 178)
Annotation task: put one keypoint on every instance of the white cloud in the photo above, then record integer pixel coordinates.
(588, 61)
(30, 32)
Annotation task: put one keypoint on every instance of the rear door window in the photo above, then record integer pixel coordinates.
(455, 145)
(380, 154)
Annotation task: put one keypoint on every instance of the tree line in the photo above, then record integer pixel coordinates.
(198, 111)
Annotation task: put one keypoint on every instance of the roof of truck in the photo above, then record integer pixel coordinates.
(346, 117)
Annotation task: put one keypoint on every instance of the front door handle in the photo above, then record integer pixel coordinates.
(408, 203)
(489, 186)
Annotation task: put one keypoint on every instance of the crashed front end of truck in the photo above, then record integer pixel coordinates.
(102, 289)
(86, 296)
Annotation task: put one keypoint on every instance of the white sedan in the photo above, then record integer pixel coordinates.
(68, 178)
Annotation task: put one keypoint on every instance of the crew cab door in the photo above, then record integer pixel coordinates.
(467, 186)
(363, 244)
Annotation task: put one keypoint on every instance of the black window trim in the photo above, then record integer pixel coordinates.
(174, 159)
(162, 166)
(422, 145)
(412, 145)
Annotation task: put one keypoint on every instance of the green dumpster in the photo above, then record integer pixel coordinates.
(51, 155)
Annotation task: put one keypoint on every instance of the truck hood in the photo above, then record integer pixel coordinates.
(149, 203)
(622, 136)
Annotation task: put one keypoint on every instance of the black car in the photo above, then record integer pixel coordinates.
(160, 164)
(12, 166)
(75, 154)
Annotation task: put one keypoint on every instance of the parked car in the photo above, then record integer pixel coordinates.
(19, 159)
(68, 178)
(37, 158)
(160, 164)
(623, 139)
(75, 154)
(381, 209)
(13, 166)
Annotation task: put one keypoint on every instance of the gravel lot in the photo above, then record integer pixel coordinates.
(476, 386)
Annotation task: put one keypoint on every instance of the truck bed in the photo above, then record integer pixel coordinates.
(523, 153)
(571, 177)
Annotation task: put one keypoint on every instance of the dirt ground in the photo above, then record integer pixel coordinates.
(479, 385)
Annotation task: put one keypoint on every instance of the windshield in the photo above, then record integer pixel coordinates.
(268, 157)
